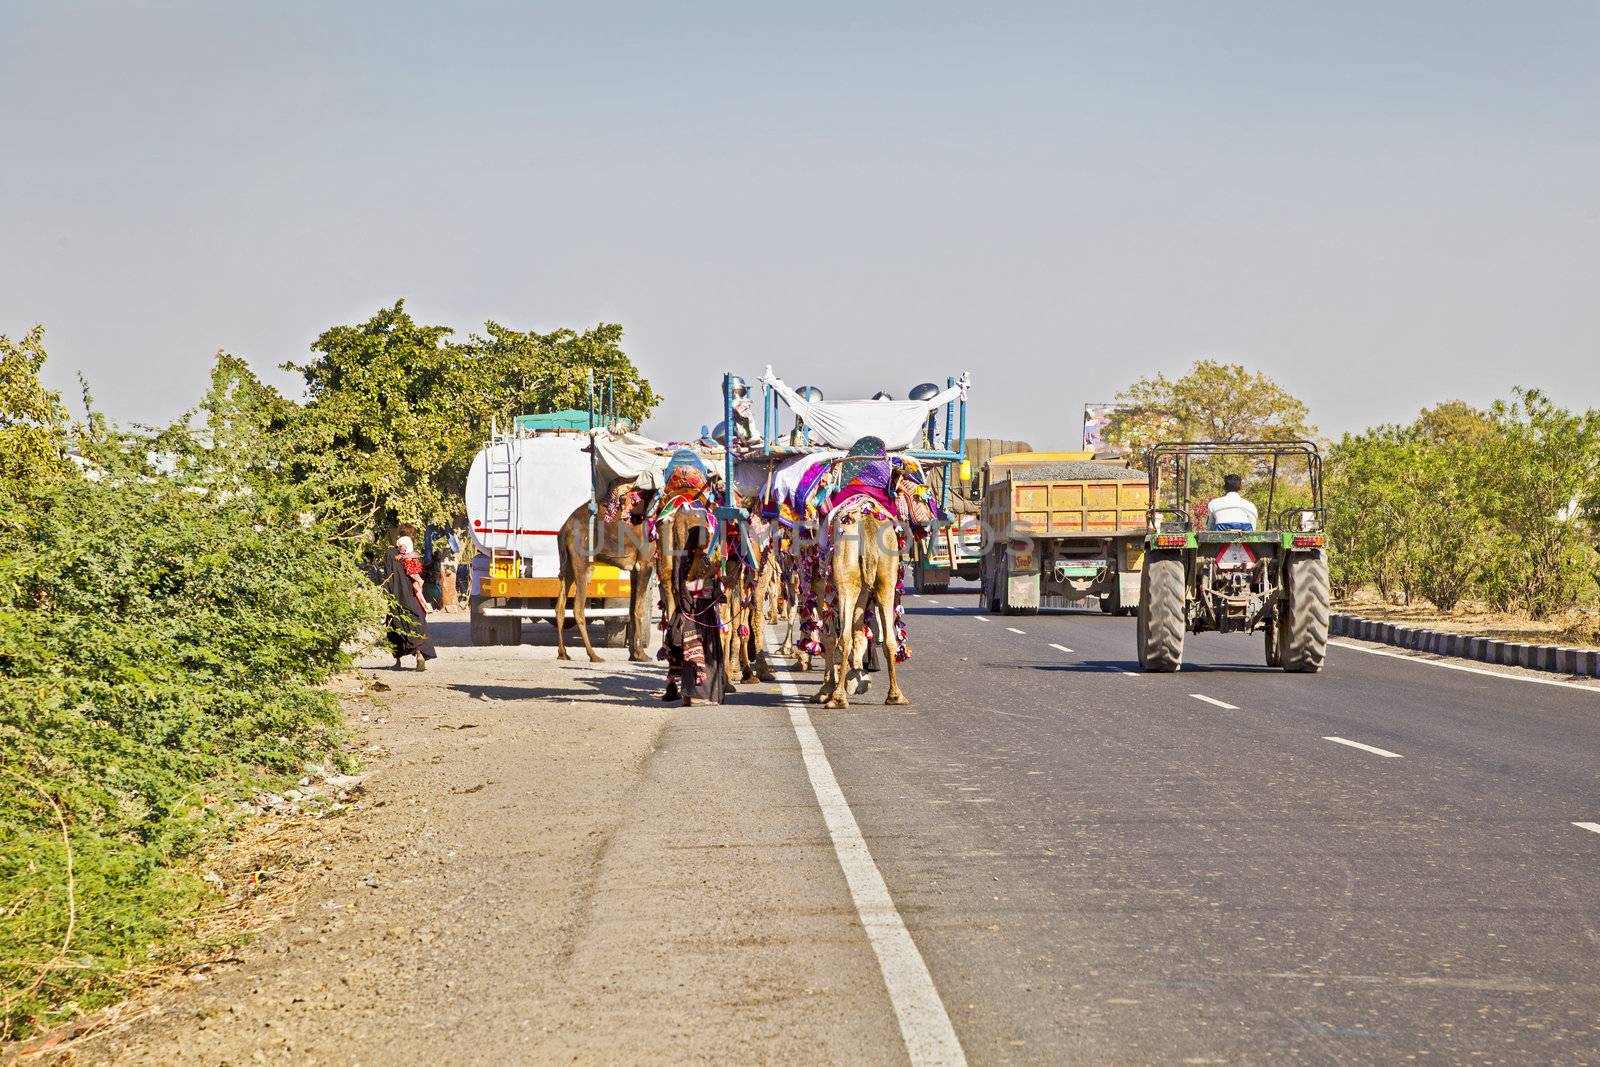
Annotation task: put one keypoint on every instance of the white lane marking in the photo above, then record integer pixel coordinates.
(929, 599)
(1469, 670)
(980, 618)
(1213, 700)
(1059, 648)
(1119, 670)
(1365, 748)
(1014, 630)
(924, 1024)
(1593, 827)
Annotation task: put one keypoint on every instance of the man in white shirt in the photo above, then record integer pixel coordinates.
(1230, 511)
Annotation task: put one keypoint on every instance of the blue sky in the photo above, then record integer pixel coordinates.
(1383, 206)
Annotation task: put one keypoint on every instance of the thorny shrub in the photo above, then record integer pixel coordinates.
(160, 651)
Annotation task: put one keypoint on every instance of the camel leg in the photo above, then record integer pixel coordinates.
(639, 613)
(830, 677)
(750, 619)
(565, 569)
(580, 597)
(847, 645)
(891, 636)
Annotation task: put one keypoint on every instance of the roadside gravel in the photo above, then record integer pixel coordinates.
(550, 865)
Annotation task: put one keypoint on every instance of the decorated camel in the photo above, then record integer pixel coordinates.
(621, 534)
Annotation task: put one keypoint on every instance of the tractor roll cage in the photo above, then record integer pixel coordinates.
(1182, 452)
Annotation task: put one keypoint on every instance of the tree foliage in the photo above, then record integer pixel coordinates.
(1470, 503)
(396, 409)
(1217, 401)
(1213, 401)
(33, 422)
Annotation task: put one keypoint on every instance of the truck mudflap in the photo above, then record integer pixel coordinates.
(1022, 594)
(1128, 583)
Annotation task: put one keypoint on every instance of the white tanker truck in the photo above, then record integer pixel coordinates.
(521, 487)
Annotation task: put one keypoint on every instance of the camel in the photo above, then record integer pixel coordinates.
(864, 567)
(622, 544)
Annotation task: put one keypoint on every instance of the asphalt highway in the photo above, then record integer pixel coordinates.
(1379, 863)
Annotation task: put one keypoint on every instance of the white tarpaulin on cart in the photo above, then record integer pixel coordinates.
(631, 455)
(841, 423)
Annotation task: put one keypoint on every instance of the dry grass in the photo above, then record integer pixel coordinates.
(1578, 628)
(264, 870)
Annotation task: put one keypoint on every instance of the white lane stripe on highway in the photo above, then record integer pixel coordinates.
(1014, 630)
(1365, 748)
(1059, 648)
(1214, 700)
(924, 1024)
(980, 618)
(1593, 827)
(930, 600)
(1469, 670)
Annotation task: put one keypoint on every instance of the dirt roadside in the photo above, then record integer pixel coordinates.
(550, 866)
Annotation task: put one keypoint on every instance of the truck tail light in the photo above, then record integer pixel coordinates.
(1171, 540)
(1310, 540)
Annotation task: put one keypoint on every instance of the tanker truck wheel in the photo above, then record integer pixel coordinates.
(615, 635)
(1161, 615)
(482, 626)
(1304, 636)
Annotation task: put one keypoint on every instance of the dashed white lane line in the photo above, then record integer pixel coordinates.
(1365, 748)
(1059, 648)
(980, 618)
(1593, 827)
(1014, 630)
(1119, 670)
(929, 599)
(924, 1024)
(1469, 670)
(1214, 700)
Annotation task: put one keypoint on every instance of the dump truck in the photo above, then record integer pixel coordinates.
(521, 487)
(1063, 527)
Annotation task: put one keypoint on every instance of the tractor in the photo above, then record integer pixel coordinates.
(1272, 579)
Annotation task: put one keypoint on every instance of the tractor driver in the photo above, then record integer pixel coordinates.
(1231, 511)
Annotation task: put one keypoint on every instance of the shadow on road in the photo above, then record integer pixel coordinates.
(455, 631)
(1100, 666)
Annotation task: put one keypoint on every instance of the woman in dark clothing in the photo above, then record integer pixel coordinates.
(408, 616)
(693, 641)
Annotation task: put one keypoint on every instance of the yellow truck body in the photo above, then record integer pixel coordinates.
(1058, 540)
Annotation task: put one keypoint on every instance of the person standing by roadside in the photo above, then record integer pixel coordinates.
(408, 614)
(447, 574)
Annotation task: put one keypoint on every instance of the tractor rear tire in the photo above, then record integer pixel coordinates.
(1161, 615)
(1304, 640)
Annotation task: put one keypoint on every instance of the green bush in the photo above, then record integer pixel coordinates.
(1498, 505)
(160, 651)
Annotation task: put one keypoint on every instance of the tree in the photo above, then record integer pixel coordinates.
(1212, 402)
(1546, 463)
(34, 427)
(1218, 402)
(550, 371)
(396, 410)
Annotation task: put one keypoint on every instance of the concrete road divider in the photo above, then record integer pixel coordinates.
(1556, 659)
